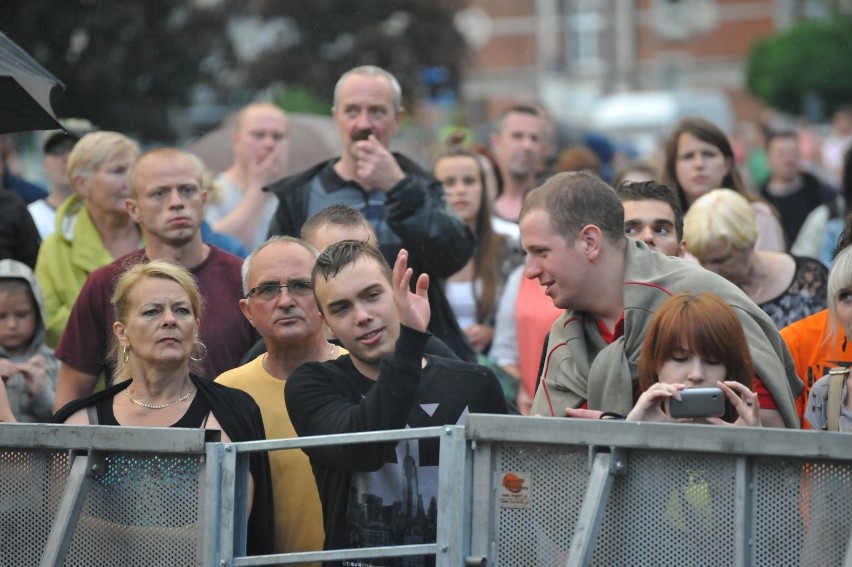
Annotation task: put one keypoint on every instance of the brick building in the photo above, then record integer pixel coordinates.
(569, 53)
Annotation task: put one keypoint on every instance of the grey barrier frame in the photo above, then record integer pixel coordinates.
(88, 445)
(466, 492)
(454, 480)
(225, 480)
(609, 441)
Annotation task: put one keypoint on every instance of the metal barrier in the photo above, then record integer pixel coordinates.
(83, 495)
(512, 492)
(615, 493)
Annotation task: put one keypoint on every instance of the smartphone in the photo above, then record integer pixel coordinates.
(698, 402)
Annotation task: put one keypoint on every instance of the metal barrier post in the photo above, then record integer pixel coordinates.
(481, 494)
(604, 466)
(227, 495)
(454, 480)
(213, 516)
(744, 520)
(83, 467)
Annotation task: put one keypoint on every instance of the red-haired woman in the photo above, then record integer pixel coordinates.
(695, 340)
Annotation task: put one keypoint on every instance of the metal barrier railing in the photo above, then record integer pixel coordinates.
(615, 493)
(452, 514)
(184, 502)
(513, 491)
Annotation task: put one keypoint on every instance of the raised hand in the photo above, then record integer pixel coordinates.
(266, 170)
(375, 166)
(413, 308)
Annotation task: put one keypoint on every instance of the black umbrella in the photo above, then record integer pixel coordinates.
(24, 91)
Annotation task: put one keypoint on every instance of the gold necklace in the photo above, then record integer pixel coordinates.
(160, 406)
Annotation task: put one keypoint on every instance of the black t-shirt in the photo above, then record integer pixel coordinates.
(384, 492)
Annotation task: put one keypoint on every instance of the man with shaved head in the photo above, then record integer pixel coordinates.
(261, 143)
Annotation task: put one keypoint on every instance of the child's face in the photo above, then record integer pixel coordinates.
(687, 367)
(17, 321)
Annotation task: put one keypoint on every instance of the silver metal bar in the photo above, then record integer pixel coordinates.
(73, 497)
(482, 491)
(454, 481)
(102, 438)
(743, 513)
(762, 442)
(212, 503)
(592, 512)
(339, 555)
(227, 499)
(339, 439)
(241, 513)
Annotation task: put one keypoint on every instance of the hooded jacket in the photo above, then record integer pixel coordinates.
(28, 408)
(66, 259)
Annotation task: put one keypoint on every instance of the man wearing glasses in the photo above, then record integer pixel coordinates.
(167, 200)
(279, 303)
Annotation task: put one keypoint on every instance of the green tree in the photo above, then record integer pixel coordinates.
(808, 60)
(135, 65)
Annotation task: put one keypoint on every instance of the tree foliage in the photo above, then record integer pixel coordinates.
(810, 59)
(135, 65)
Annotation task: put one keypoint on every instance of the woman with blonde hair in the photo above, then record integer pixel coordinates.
(839, 321)
(721, 232)
(158, 314)
(92, 226)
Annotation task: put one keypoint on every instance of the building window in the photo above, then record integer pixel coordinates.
(585, 27)
(678, 20)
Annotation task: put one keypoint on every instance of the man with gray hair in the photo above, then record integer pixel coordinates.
(279, 303)
(404, 203)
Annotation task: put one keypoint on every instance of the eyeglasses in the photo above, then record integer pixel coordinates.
(266, 292)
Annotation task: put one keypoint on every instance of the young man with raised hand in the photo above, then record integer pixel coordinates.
(386, 382)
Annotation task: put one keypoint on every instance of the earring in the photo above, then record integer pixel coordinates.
(202, 351)
(126, 354)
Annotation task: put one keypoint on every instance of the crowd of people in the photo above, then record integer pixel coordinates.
(369, 293)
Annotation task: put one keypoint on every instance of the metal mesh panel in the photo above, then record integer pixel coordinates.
(670, 509)
(27, 503)
(541, 534)
(145, 510)
(802, 506)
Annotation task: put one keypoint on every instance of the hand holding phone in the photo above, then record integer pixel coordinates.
(698, 402)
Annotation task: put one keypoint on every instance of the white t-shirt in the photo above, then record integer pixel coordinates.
(229, 197)
(44, 217)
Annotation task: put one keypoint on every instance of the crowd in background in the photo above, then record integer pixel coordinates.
(768, 213)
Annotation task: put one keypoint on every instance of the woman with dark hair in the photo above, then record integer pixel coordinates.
(695, 340)
(158, 313)
(698, 159)
(474, 291)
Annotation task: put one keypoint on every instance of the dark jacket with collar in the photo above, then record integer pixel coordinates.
(438, 242)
